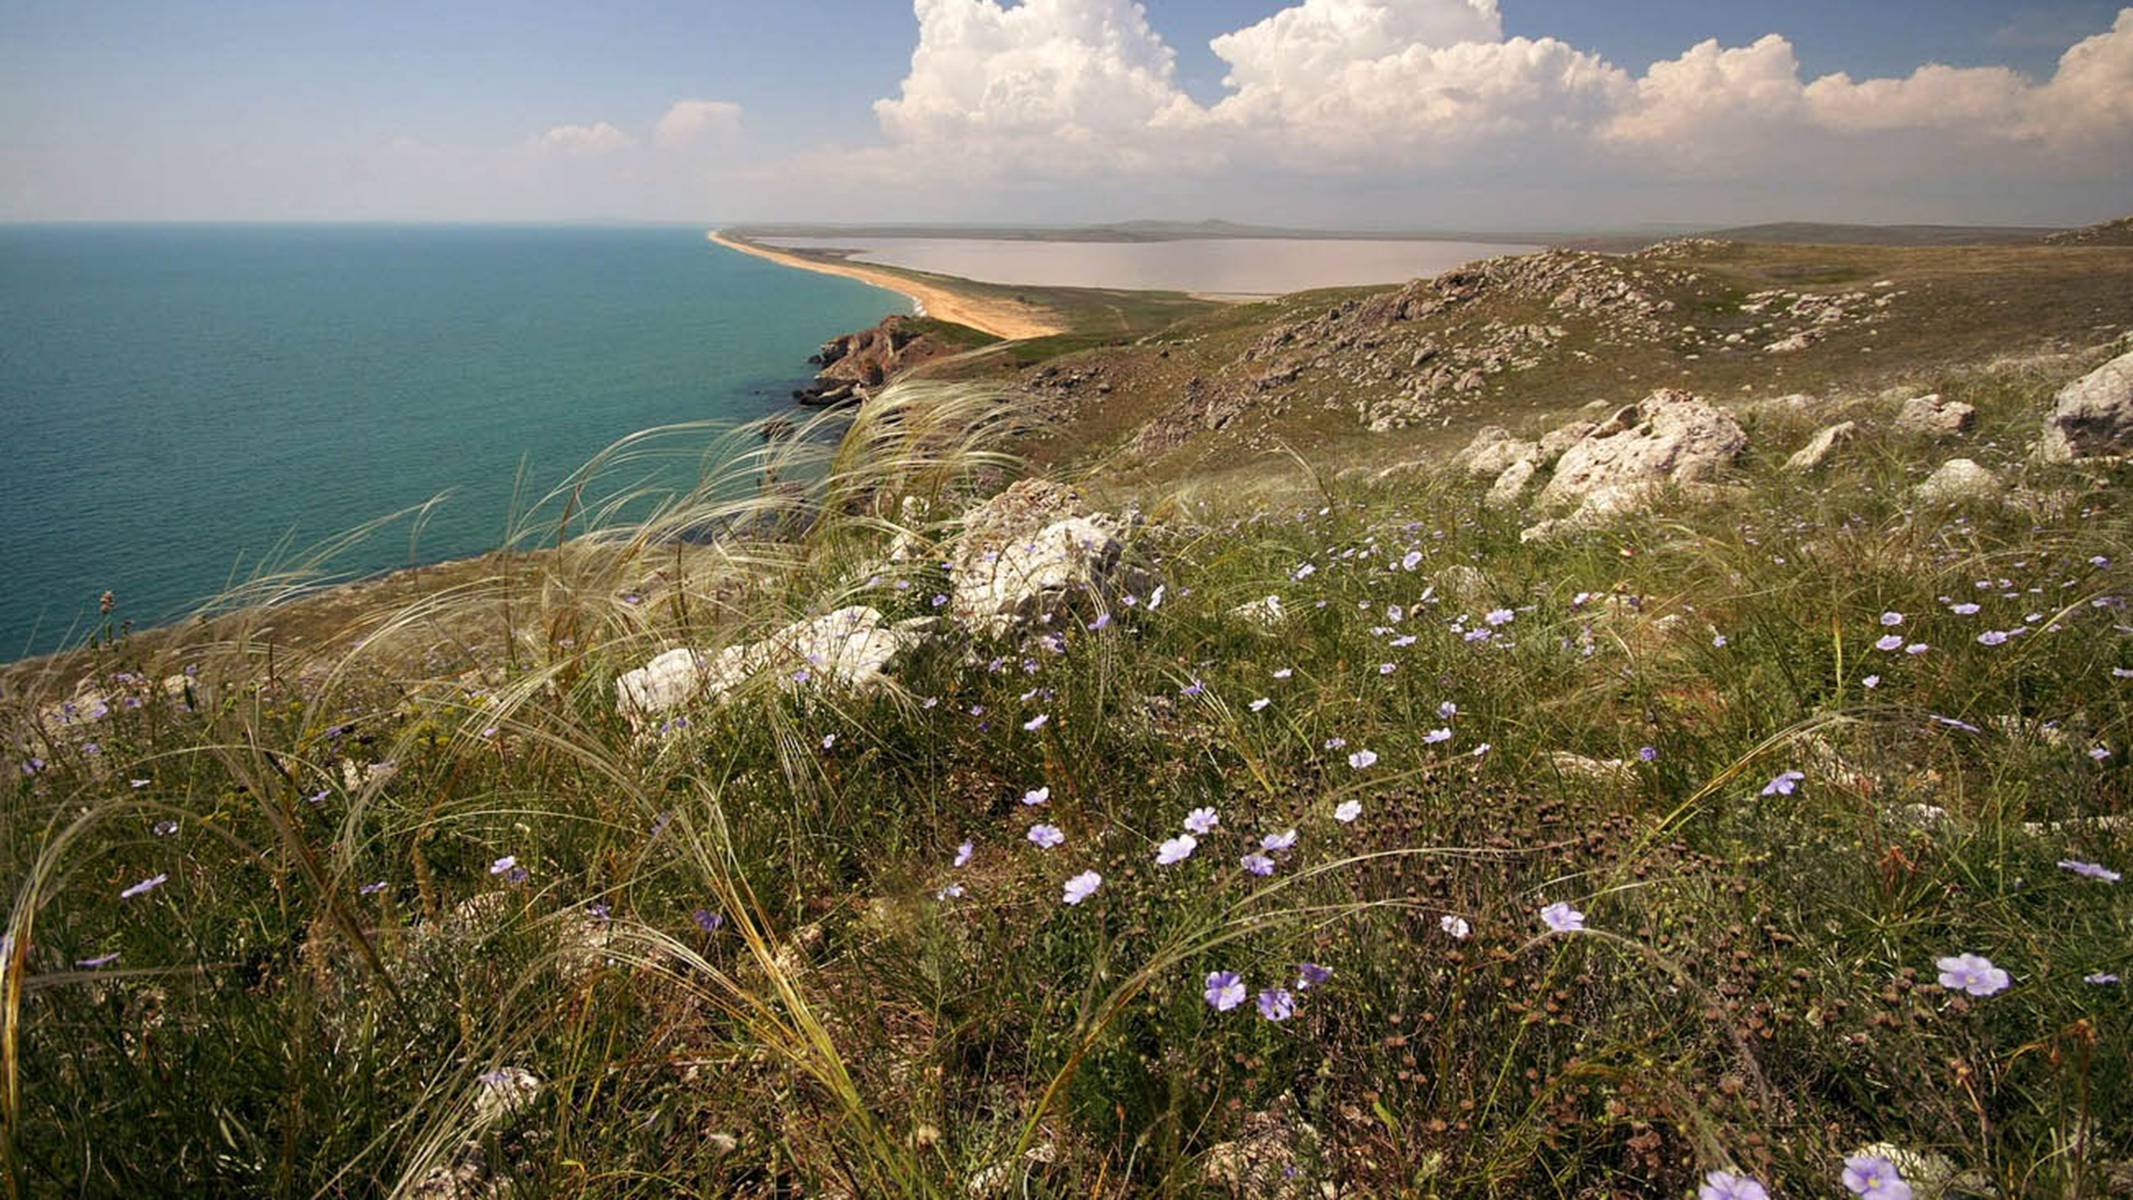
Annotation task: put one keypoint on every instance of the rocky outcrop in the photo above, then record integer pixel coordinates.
(1931, 416)
(1493, 451)
(1677, 438)
(1821, 446)
(2092, 416)
(1032, 551)
(855, 365)
(1510, 487)
(849, 649)
(1957, 480)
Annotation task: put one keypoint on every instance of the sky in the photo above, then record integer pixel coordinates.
(1486, 115)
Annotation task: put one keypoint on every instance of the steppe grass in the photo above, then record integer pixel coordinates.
(434, 919)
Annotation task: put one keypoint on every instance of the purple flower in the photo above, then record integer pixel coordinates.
(1387, 668)
(1725, 1185)
(1347, 811)
(1784, 785)
(939, 599)
(1447, 710)
(1648, 753)
(1224, 990)
(1102, 620)
(1275, 842)
(2100, 978)
(1890, 641)
(951, 892)
(1971, 973)
(2100, 753)
(1871, 682)
(1081, 887)
(1276, 1004)
(503, 865)
(1310, 975)
(962, 854)
(1964, 610)
(1562, 918)
(101, 960)
(2089, 870)
(1411, 560)
(1435, 736)
(1257, 863)
(1456, 926)
(1500, 616)
(1036, 723)
(1916, 648)
(1176, 850)
(1036, 796)
(1363, 759)
(707, 920)
(1718, 641)
(1875, 1177)
(371, 889)
(1991, 637)
(1892, 619)
(1202, 821)
(1044, 837)
(144, 887)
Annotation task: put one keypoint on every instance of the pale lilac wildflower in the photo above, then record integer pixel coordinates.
(1276, 1004)
(1036, 796)
(1037, 722)
(1347, 811)
(1225, 990)
(1892, 641)
(1260, 703)
(1310, 975)
(1387, 668)
(1257, 863)
(1719, 641)
(101, 960)
(1916, 648)
(1482, 749)
(1456, 926)
(2089, 870)
(953, 891)
(144, 887)
(707, 920)
(1892, 619)
(1784, 784)
(1562, 918)
(1875, 1178)
(1871, 682)
(1965, 609)
(1991, 637)
(2100, 753)
(2100, 978)
(1044, 837)
(1081, 887)
(1648, 753)
(1971, 973)
(1363, 759)
(1176, 850)
(371, 889)
(503, 865)
(1436, 735)
(1411, 560)
(1725, 1185)
(963, 853)
(1202, 821)
(1284, 673)
(1447, 710)
(1500, 616)
(1275, 842)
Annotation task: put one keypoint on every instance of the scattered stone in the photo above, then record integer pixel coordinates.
(1601, 770)
(1677, 438)
(850, 648)
(1266, 613)
(2092, 416)
(1957, 479)
(1823, 444)
(1270, 1158)
(1794, 344)
(1561, 439)
(1931, 416)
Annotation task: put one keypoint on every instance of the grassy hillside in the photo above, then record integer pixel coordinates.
(1576, 867)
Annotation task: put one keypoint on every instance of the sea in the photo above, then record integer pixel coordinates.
(179, 404)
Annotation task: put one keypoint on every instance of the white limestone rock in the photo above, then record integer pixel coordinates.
(1677, 438)
(1957, 480)
(2092, 416)
(1931, 416)
(1821, 446)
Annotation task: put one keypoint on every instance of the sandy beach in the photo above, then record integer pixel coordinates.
(999, 317)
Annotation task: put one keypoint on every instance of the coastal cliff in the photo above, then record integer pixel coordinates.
(854, 366)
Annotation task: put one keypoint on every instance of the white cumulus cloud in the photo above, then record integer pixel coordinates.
(596, 138)
(689, 121)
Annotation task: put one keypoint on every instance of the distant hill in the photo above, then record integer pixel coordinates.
(1800, 233)
(2109, 233)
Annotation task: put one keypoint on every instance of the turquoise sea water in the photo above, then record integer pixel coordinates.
(177, 400)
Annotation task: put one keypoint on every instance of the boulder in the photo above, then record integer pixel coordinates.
(849, 649)
(1561, 439)
(1511, 485)
(1266, 613)
(1931, 416)
(1037, 575)
(2093, 415)
(1677, 438)
(1492, 452)
(1821, 446)
(1957, 480)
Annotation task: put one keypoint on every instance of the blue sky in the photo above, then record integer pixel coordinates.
(391, 109)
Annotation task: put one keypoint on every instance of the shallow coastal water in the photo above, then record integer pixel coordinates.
(1218, 266)
(179, 399)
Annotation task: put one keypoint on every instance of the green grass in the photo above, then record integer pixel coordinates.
(1755, 987)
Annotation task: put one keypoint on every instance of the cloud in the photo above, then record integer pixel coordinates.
(689, 121)
(597, 138)
(1065, 88)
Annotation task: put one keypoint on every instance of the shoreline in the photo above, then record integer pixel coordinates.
(1004, 319)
